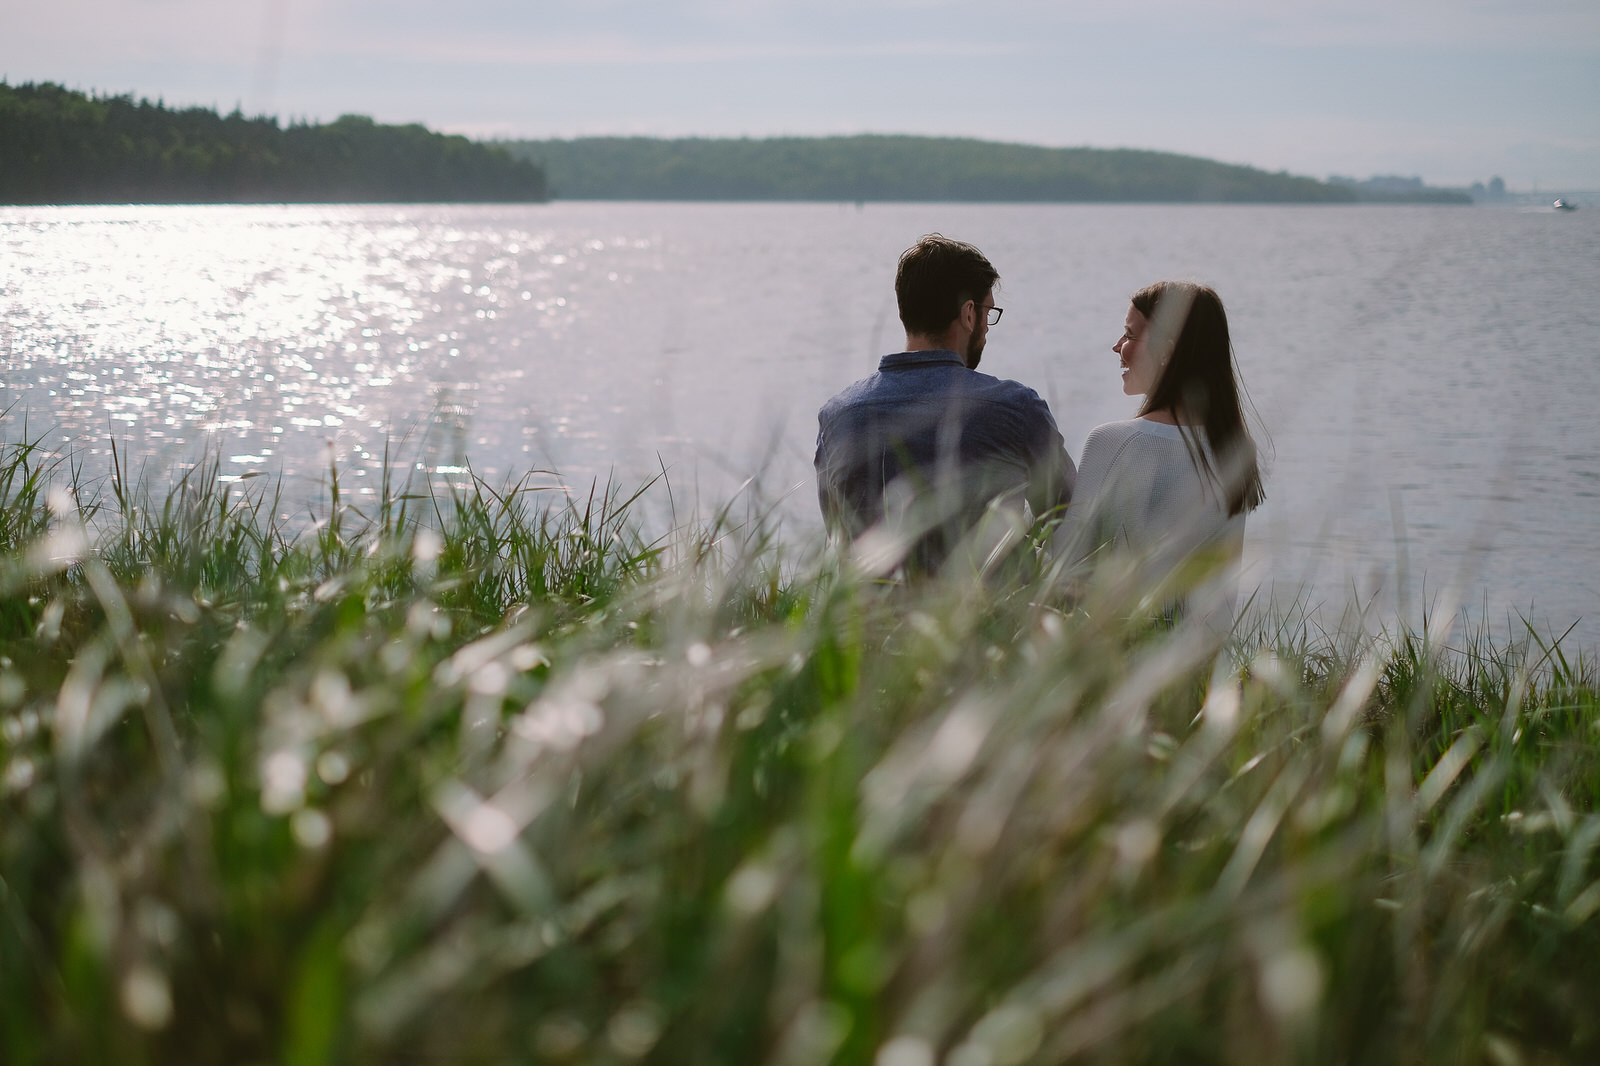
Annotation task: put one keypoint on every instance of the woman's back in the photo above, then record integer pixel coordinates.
(1141, 490)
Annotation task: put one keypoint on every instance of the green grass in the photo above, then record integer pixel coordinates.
(495, 777)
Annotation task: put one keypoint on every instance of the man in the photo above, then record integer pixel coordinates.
(926, 446)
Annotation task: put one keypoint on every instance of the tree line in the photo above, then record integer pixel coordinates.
(59, 146)
(906, 168)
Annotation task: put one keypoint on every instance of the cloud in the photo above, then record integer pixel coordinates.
(611, 32)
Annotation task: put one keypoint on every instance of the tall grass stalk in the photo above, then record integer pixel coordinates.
(488, 775)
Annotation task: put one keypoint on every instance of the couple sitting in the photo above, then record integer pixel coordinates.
(918, 461)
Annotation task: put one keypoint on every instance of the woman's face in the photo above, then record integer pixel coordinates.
(1140, 368)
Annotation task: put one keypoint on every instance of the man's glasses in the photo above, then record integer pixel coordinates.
(994, 315)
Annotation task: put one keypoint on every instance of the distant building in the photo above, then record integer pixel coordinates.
(1493, 193)
(1391, 188)
(1389, 184)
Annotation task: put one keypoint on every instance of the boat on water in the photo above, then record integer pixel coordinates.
(1564, 205)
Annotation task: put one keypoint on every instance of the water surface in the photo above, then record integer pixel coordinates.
(1426, 374)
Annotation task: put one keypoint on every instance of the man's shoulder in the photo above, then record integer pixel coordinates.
(854, 393)
(918, 383)
(1005, 390)
(1011, 399)
(898, 377)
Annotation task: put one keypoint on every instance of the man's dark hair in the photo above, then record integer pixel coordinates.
(936, 276)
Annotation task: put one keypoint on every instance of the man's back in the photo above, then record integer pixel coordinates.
(929, 443)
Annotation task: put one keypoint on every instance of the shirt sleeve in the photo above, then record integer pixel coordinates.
(827, 491)
(1052, 475)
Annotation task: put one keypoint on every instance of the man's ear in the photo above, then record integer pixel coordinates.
(969, 316)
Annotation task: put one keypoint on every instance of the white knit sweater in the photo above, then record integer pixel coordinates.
(1139, 489)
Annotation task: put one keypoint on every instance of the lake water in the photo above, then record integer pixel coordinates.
(1427, 375)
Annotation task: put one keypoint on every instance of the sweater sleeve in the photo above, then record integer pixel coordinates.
(1080, 532)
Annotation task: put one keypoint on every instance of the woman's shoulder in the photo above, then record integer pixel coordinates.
(1131, 428)
(1114, 434)
(1137, 447)
(1103, 448)
(1113, 430)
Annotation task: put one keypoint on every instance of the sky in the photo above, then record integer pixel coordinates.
(1452, 91)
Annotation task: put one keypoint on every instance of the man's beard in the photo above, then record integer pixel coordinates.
(974, 351)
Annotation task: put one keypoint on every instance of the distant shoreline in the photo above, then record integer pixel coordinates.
(64, 147)
(872, 168)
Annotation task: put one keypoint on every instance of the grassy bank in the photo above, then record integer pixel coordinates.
(494, 778)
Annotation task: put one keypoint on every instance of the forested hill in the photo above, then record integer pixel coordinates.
(58, 146)
(902, 168)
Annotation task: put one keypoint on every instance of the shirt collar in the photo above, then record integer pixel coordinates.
(905, 360)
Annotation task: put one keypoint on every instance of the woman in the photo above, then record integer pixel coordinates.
(1181, 476)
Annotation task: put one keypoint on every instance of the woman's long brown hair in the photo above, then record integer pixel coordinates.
(1200, 380)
